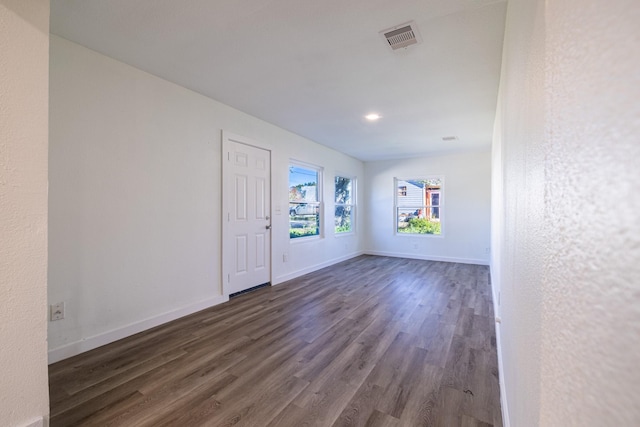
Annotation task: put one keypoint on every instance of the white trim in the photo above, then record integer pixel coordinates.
(38, 422)
(503, 389)
(86, 344)
(281, 279)
(345, 234)
(301, 239)
(430, 257)
(419, 235)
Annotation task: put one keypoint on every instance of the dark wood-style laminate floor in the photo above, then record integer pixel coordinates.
(372, 341)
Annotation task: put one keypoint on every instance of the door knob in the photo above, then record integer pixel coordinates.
(268, 227)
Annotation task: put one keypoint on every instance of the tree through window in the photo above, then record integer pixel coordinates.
(345, 204)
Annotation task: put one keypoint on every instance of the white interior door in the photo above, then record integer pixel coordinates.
(246, 245)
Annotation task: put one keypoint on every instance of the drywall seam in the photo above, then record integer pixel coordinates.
(473, 261)
(101, 339)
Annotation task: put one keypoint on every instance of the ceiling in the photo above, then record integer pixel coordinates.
(317, 68)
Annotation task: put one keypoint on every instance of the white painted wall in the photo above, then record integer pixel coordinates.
(466, 212)
(135, 199)
(518, 213)
(24, 41)
(566, 233)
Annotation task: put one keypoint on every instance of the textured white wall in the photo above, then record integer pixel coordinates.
(518, 211)
(24, 44)
(566, 257)
(466, 214)
(591, 282)
(135, 198)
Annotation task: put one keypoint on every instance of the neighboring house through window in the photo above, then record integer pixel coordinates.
(418, 205)
(345, 204)
(304, 200)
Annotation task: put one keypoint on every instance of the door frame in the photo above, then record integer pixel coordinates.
(227, 139)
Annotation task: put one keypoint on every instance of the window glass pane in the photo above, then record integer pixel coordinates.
(411, 193)
(303, 184)
(304, 219)
(304, 201)
(343, 219)
(343, 190)
(405, 215)
(418, 206)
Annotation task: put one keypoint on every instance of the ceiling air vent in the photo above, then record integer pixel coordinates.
(401, 36)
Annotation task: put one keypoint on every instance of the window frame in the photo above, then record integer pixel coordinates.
(440, 206)
(352, 205)
(319, 200)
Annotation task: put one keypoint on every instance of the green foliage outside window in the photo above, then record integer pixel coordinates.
(421, 226)
(344, 204)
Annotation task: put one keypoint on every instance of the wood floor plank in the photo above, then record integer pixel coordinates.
(69, 401)
(449, 407)
(421, 407)
(259, 404)
(457, 365)
(379, 419)
(193, 408)
(478, 389)
(316, 408)
(361, 407)
(373, 341)
(468, 421)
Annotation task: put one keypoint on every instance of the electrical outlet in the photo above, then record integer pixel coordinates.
(57, 311)
(285, 257)
(415, 246)
(487, 251)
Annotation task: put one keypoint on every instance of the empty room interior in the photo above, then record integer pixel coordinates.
(338, 213)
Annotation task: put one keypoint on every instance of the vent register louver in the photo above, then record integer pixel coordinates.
(401, 36)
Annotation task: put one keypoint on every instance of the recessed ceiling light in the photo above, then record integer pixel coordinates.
(372, 117)
(449, 138)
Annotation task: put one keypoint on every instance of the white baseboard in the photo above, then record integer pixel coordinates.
(281, 279)
(429, 257)
(86, 344)
(39, 422)
(506, 421)
(503, 394)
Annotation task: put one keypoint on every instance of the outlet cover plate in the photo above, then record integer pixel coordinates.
(57, 311)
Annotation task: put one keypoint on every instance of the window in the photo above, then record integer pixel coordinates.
(345, 204)
(304, 200)
(419, 205)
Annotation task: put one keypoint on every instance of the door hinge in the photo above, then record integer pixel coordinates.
(228, 278)
(228, 155)
(228, 216)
